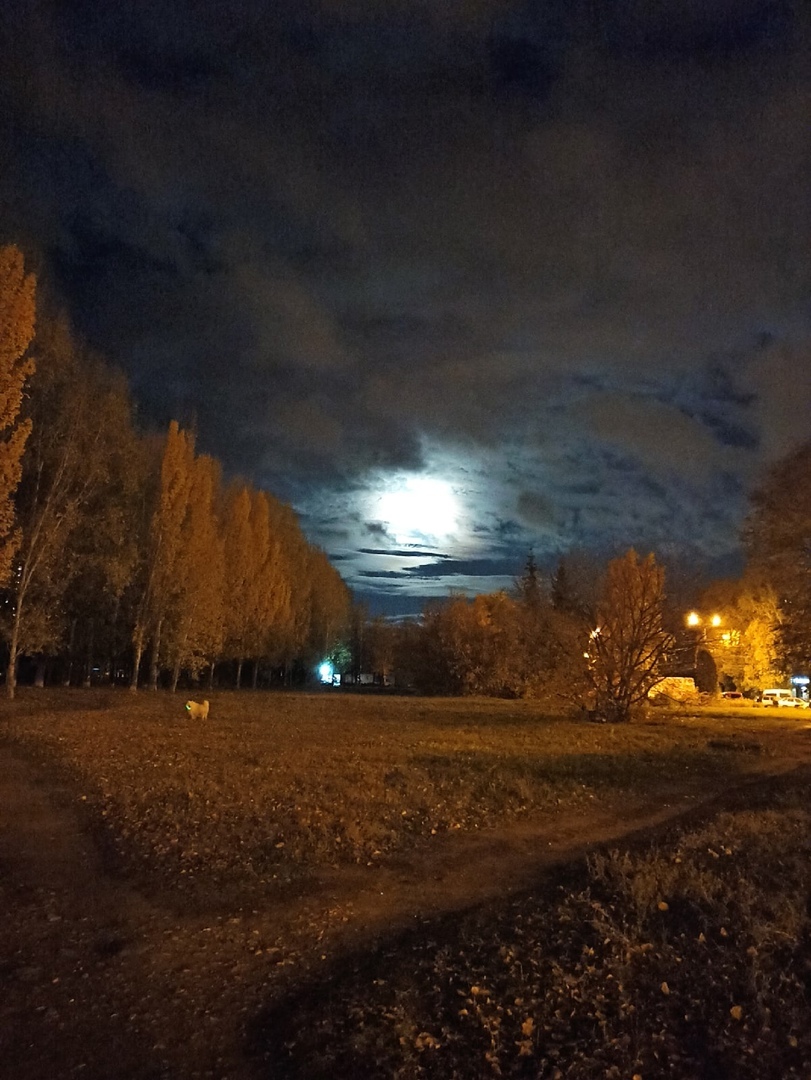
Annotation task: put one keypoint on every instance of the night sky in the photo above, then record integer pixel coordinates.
(456, 278)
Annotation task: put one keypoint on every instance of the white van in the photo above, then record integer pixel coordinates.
(782, 699)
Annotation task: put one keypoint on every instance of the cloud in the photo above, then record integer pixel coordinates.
(537, 249)
(658, 435)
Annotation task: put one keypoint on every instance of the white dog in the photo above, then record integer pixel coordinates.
(195, 711)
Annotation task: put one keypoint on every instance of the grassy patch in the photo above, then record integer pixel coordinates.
(274, 786)
(690, 958)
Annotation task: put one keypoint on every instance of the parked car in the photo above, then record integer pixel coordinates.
(732, 695)
(783, 699)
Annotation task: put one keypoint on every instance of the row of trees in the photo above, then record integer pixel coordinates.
(600, 644)
(117, 545)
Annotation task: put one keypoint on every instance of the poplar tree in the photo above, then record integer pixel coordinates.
(161, 580)
(239, 567)
(194, 627)
(329, 606)
(77, 409)
(270, 593)
(17, 315)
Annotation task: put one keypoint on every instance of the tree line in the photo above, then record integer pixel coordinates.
(597, 641)
(126, 551)
(602, 637)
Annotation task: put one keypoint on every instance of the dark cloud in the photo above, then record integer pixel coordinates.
(554, 253)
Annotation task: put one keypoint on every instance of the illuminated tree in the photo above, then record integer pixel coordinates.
(161, 583)
(195, 623)
(291, 635)
(78, 411)
(474, 646)
(17, 314)
(746, 645)
(627, 643)
(106, 555)
(778, 538)
(239, 567)
(269, 599)
(329, 607)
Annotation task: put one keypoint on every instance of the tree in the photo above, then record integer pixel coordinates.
(746, 645)
(106, 553)
(529, 589)
(194, 629)
(329, 607)
(778, 538)
(239, 566)
(269, 598)
(627, 643)
(77, 408)
(160, 578)
(17, 315)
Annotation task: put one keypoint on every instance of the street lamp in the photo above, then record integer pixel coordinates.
(694, 619)
(700, 623)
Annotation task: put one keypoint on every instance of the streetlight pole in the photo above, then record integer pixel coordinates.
(699, 623)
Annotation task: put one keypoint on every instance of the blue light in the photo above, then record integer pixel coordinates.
(325, 672)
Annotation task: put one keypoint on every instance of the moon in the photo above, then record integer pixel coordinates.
(419, 510)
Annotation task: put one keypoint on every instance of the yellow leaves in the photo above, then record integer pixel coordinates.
(17, 312)
(426, 1041)
(663, 905)
(665, 988)
(17, 309)
(736, 1012)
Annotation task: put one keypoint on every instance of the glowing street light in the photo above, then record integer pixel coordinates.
(692, 618)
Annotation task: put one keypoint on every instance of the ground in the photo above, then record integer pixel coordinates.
(104, 979)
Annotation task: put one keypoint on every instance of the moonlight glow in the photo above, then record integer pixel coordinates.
(419, 510)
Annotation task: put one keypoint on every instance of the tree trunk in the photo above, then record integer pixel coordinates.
(39, 678)
(88, 671)
(138, 652)
(156, 646)
(255, 674)
(69, 671)
(11, 671)
(239, 673)
(114, 638)
(211, 676)
(175, 676)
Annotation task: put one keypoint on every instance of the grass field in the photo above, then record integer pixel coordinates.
(278, 850)
(275, 785)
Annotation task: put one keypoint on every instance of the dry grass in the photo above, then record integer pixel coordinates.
(274, 785)
(687, 959)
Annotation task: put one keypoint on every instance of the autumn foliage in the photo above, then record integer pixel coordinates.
(17, 314)
(132, 561)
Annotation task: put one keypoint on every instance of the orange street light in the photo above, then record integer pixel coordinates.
(692, 618)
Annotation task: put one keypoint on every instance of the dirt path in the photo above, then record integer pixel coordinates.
(98, 983)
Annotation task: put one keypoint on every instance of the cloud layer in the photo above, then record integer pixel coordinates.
(556, 256)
